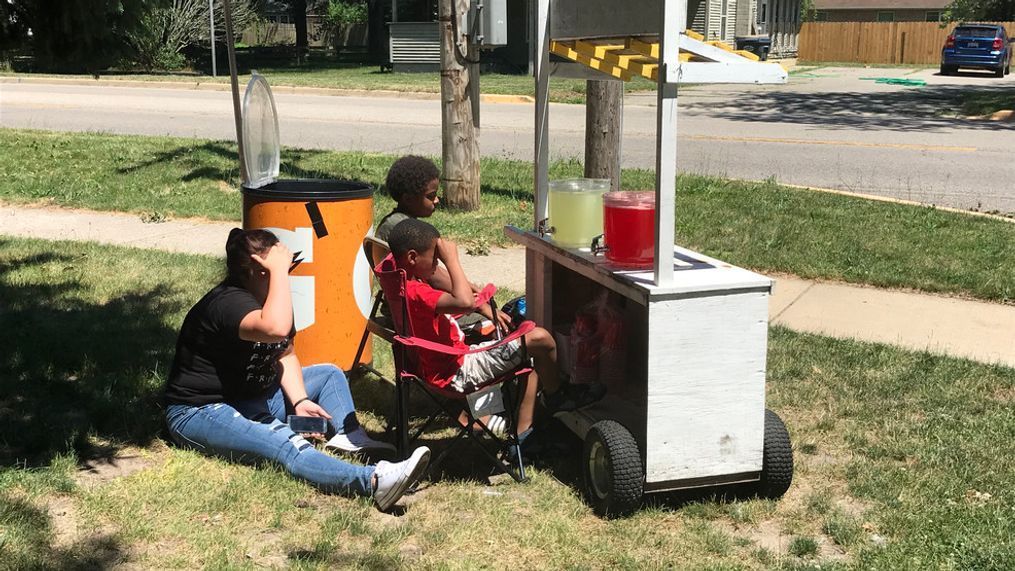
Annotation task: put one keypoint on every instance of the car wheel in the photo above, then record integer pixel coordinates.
(999, 72)
(945, 70)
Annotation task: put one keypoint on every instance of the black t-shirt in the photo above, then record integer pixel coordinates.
(212, 363)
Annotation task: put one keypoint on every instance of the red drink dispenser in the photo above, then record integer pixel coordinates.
(629, 228)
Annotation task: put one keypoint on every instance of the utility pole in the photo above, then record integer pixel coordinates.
(459, 141)
(604, 112)
(211, 27)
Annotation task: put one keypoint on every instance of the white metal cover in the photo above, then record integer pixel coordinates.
(260, 133)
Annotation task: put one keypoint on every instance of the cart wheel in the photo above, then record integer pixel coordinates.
(777, 459)
(613, 477)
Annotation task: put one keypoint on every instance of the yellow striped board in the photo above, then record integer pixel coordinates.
(566, 50)
(721, 45)
(694, 35)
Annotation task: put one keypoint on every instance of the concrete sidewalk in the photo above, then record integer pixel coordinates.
(961, 328)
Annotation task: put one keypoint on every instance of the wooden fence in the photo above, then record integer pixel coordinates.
(875, 42)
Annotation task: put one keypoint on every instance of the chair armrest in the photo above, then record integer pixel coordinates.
(485, 295)
(524, 328)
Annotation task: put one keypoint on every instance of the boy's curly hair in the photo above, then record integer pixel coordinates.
(410, 175)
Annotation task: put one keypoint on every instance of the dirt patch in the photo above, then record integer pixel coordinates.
(63, 516)
(1004, 395)
(768, 534)
(226, 187)
(268, 551)
(98, 471)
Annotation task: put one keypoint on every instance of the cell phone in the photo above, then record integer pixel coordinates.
(307, 424)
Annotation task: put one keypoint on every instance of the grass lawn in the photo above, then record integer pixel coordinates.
(758, 225)
(900, 458)
(325, 72)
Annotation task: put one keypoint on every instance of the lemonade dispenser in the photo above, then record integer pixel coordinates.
(576, 210)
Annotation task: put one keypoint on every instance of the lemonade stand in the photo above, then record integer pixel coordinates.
(685, 402)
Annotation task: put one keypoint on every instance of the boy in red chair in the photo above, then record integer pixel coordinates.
(416, 248)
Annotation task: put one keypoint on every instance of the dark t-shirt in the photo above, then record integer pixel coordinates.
(388, 224)
(212, 363)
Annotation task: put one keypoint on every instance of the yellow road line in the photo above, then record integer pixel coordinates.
(942, 148)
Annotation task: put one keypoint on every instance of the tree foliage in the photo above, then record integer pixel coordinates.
(166, 30)
(81, 35)
(982, 10)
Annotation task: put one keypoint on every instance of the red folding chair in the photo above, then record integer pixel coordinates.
(406, 348)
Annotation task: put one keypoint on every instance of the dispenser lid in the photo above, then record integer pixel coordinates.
(260, 133)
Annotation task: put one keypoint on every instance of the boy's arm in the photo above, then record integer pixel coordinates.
(459, 298)
(441, 280)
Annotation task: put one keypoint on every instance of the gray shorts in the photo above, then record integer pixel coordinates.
(480, 368)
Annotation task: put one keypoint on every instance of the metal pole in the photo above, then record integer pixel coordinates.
(541, 61)
(211, 27)
(674, 21)
(237, 114)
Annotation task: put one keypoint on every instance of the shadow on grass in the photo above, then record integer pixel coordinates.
(75, 372)
(919, 110)
(224, 154)
(40, 548)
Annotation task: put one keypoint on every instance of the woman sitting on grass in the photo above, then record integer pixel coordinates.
(235, 378)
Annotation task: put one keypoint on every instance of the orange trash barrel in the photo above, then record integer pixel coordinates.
(325, 221)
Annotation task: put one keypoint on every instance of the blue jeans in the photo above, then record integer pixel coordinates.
(249, 430)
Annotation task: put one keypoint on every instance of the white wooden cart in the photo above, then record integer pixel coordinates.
(693, 410)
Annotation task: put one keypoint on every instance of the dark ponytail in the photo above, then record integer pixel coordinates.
(240, 245)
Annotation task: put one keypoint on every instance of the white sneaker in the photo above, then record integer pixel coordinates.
(393, 479)
(357, 440)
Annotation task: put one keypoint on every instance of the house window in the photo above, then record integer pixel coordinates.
(722, 19)
(886, 16)
(933, 15)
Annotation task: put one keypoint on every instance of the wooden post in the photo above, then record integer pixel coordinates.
(459, 144)
(227, 12)
(604, 111)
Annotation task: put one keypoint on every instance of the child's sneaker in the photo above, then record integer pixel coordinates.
(393, 479)
(355, 441)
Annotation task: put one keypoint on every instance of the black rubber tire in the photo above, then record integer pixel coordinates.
(999, 72)
(777, 459)
(617, 488)
(944, 70)
(949, 70)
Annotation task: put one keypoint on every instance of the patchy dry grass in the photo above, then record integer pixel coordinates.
(761, 226)
(901, 458)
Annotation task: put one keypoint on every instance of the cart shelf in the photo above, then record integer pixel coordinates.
(693, 273)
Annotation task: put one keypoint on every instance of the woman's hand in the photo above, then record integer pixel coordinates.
(311, 408)
(277, 260)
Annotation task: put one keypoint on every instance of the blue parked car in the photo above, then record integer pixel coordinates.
(981, 46)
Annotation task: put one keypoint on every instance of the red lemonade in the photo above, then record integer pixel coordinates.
(629, 227)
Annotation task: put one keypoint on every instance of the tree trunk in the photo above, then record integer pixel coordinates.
(460, 147)
(377, 49)
(604, 111)
(299, 15)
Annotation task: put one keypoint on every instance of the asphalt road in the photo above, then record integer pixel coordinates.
(827, 128)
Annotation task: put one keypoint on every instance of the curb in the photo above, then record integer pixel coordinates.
(901, 201)
(290, 89)
(1003, 116)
